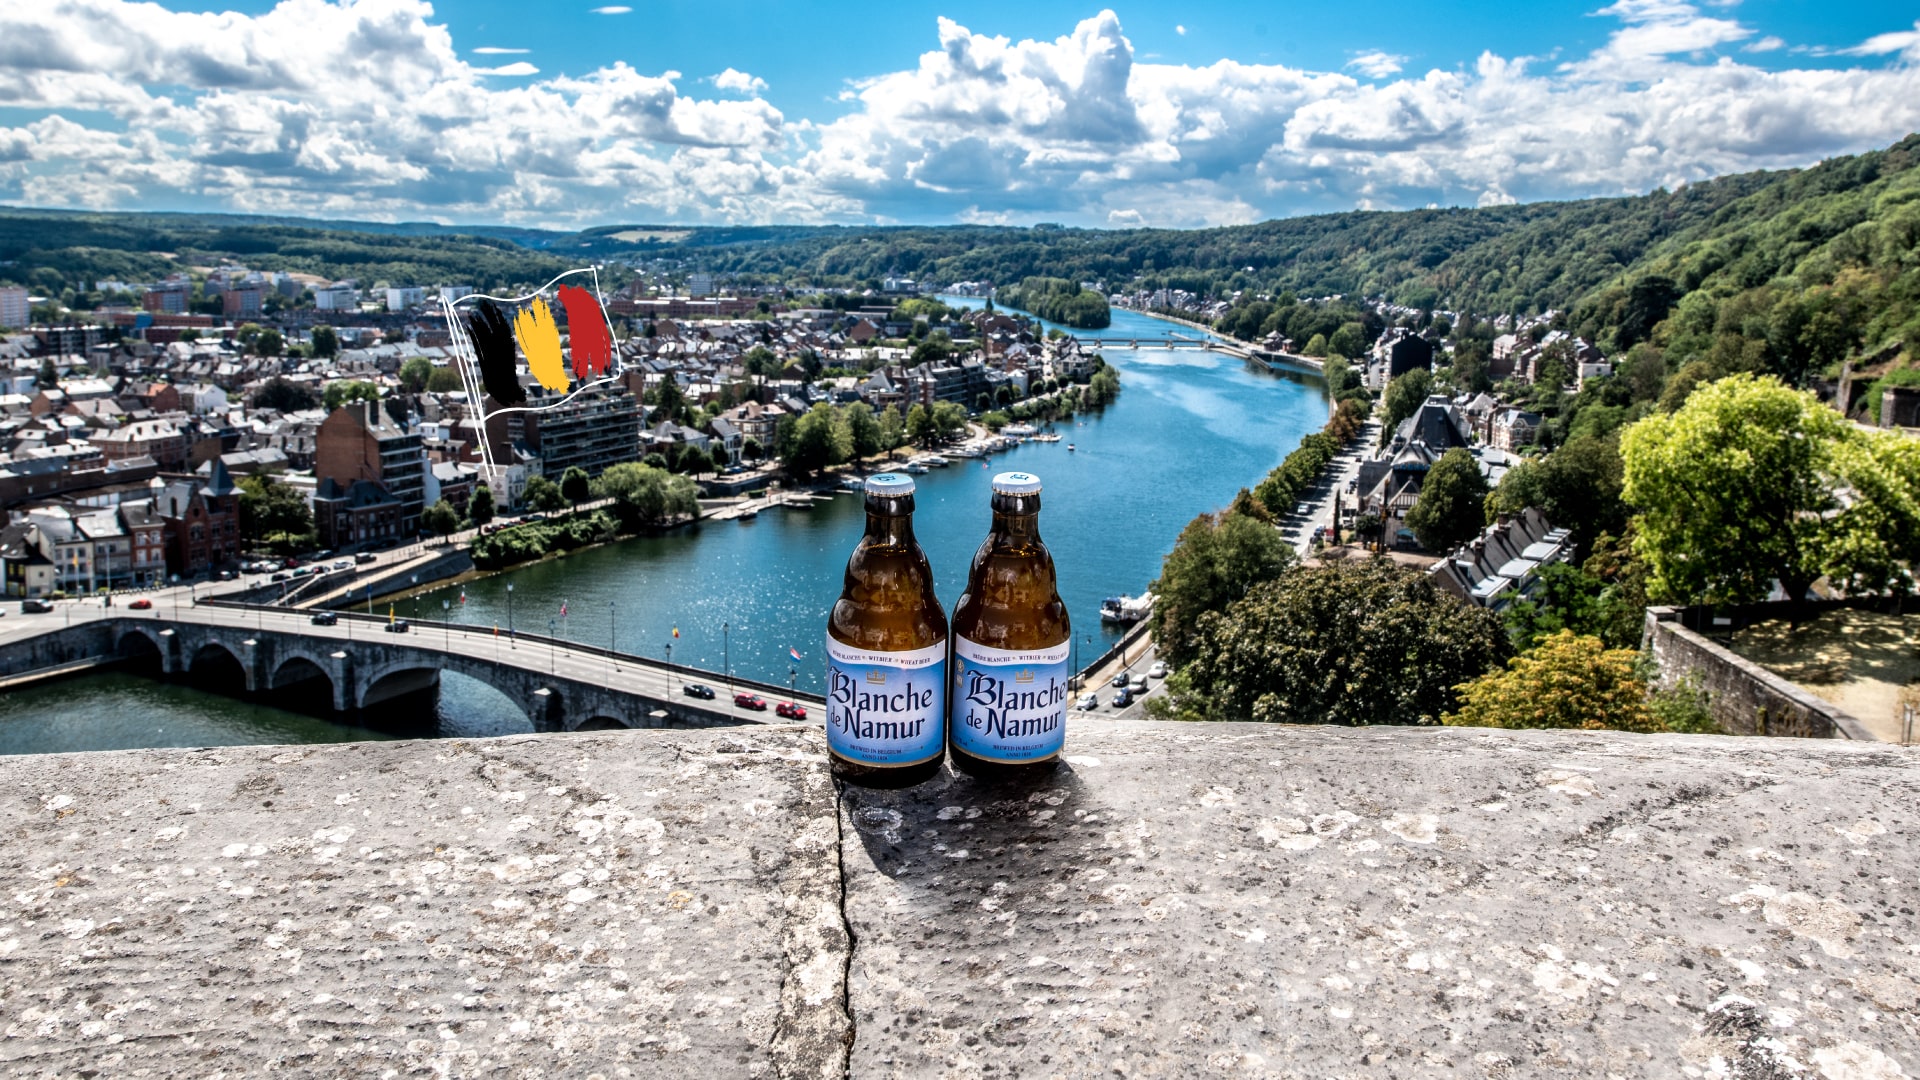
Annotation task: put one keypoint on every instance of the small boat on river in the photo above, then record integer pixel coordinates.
(1125, 609)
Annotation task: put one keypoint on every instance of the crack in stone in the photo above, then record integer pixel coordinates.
(846, 922)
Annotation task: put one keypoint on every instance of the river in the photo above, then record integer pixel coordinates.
(1189, 429)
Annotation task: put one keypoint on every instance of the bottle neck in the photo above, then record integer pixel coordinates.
(890, 521)
(1016, 519)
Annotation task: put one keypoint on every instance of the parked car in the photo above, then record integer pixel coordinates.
(343, 564)
(225, 575)
(325, 618)
(699, 690)
(1089, 701)
(364, 557)
(35, 606)
(1120, 680)
(293, 564)
(750, 701)
(283, 575)
(1122, 699)
(397, 626)
(790, 710)
(142, 604)
(1304, 510)
(1137, 685)
(1158, 670)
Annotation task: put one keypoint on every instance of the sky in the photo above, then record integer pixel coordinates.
(675, 112)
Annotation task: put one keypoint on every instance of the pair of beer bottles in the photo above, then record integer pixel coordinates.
(899, 691)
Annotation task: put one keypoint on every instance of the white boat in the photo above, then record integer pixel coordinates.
(853, 483)
(915, 468)
(1044, 438)
(935, 461)
(1020, 430)
(1125, 609)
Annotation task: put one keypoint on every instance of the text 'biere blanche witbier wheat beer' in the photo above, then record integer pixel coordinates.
(1011, 642)
(887, 651)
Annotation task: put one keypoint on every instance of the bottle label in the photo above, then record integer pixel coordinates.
(886, 708)
(1010, 705)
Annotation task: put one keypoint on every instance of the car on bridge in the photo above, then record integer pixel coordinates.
(699, 690)
(790, 710)
(35, 606)
(398, 626)
(325, 618)
(755, 702)
(142, 604)
(364, 557)
(1089, 701)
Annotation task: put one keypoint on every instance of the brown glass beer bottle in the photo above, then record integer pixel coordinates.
(1011, 642)
(887, 651)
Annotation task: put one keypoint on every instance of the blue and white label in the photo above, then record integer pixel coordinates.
(1010, 705)
(886, 708)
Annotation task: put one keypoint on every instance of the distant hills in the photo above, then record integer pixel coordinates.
(1849, 226)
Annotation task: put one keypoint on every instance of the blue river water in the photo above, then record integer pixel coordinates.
(1189, 429)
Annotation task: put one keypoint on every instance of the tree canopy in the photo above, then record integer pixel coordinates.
(647, 497)
(1451, 509)
(1567, 681)
(341, 391)
(1217, 558)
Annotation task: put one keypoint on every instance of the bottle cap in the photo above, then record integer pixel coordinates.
(1016, 483)
(890, 484)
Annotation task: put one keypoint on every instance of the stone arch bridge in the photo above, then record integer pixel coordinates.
(561, 686)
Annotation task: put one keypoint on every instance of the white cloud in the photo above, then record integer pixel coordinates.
(1377, 64)
(495, 50)
(613, 9)
(366, 108)
(1181, 30)
(739, 82)
(1765, 44)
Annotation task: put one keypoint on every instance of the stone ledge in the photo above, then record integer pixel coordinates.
(1180, 899)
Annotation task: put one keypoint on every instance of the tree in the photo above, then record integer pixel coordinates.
(816, 440)
(325, 341)
(1102, 388)
(1568, 681)
(1217, 558)
(444, 380)
(575, 485)
(863, 431)
(273, 512)
(669, 401)
(893, 429)
(269, 343)
(415, 373)
(1576, 487)
(246, 334)
(751, 450)
(278, 393)
(949, 419)
(1349, 340)
(480, 508)
(543, 495)
(1405, 394)
(919, 425)
(1742, 487)
(647, 497)
(1315, 346)
(1347, 642)
(1451, 508)
(341, 391)
(441, 518)
(48, 378)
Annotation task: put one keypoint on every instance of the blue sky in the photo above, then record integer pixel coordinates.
(681, 112)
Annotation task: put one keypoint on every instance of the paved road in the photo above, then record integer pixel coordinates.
(1344, 470)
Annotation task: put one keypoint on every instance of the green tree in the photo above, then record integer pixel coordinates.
(341, 391)
(647, 497)
(919, 425)
(543, 495)
(751, 450)
(49, 377)
(575, 485)
(480, 508)
(1568, 681)
(1742, 487)
(1349, 340)
(415, 373)
(444, 380)
(1102, 388)
(246, 334)
(1216, 559)
(1316, 346)
(441, 518)
(863, 430)
(1346, 642)
(273, 512)
(278, 393)
(325, 341)
(270, 342)
(669, 401)
(1451, 508)
(893, 429)
(1405, 394)
(818, 440)
(1576, 487)
(949, 420)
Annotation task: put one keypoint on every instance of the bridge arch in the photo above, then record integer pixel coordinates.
(214, 664)
(602, 723)
(298, 667)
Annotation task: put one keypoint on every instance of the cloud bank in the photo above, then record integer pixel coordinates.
(365, 108)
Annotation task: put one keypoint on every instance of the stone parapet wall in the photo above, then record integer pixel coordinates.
(1178, 899)
(1744, 698)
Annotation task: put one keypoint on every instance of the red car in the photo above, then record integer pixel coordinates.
(790, 710)
(750, 701)
(142, 604)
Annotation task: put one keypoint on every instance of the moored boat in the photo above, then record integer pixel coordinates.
(1126, 609)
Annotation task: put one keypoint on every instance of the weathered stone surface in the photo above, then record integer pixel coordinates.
(537, 905)
(1181, 899)
(1410, 902)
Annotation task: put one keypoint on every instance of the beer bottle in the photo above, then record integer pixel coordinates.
(887, 651)
(1011, 641)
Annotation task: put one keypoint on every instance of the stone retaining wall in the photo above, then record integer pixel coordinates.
(1745, 698)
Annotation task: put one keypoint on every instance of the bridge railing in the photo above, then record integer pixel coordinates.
(577, 647)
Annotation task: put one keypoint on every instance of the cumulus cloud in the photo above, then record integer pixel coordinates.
(1181, 30)
(1377, 64)
(496, 50)
(365, 108)
(739, 82)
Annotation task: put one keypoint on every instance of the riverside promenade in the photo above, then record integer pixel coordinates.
(1178, 899)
